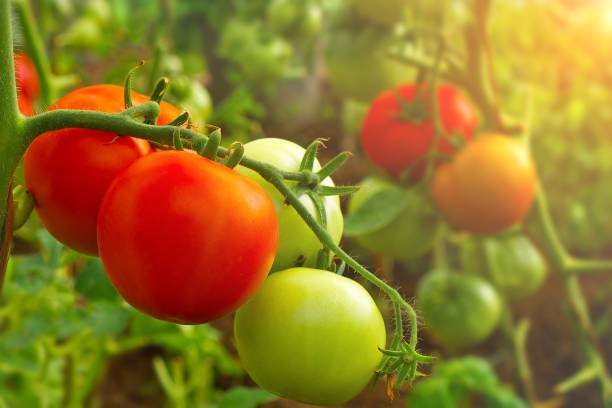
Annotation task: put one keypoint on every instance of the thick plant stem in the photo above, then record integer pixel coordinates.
(11, 145)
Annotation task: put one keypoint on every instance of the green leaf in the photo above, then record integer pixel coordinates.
(107, 318)
(377, 211)
(243, 397)
(93, 282)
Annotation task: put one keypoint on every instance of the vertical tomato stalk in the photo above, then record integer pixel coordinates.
(11, 143)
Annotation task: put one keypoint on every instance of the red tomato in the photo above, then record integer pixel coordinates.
(67, 171)
(488, 186)
(25, 75)
(394, 143)
(25, 106)
(186, 239)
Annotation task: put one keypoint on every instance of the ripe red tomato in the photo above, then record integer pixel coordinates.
(67, 171)
(488, 186)
(186, 239)
(25, 75)
(394, 143)
(25, 106)
(311, 336)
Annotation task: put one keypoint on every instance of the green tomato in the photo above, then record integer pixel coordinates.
(383, 12)
(459, 311)
(193, 96)
(353, 114)
(295, 238)
(512, 263)
(311, 336)
(410, 234)
(358, 67)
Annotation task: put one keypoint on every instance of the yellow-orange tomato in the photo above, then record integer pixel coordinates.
(488, 186)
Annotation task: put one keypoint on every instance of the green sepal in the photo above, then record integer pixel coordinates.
(333, 165)
(127, 86)
(160, 90)
(310, 155)
(236, 152)
(210, 149)
(336, 190)
(180, 119)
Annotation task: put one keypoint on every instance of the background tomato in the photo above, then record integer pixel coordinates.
(511, 261)
(311, 336)
(408, 235)
(25, 74)
(459, 311)
(67, 171)
(178, 247)
(366, 50)
(295, 237)
(384, 12)
(393, 143)
(488, 186)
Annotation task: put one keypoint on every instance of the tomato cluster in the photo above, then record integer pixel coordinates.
(186, 239)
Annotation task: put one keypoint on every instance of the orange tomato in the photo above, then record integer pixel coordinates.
(487, 187)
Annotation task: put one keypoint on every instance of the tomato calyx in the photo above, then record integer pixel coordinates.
(415, 110)
(309, 181)
(403, 360)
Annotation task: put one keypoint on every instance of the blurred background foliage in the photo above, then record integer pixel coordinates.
(297, 69)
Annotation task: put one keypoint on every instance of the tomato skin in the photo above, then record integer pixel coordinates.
(180, 248)
(411, 234)
(295, 237)
(393, 143)
(310, 336)
(25, 75)
(67, 171)
(25, 106)
(488, 186)
(459, 311)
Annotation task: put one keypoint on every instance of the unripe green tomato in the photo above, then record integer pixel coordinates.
(283, 14)
(310, 336)
(193, 97)
(295, 237)
(459, 311)
(353, 114)
(383, 12)
(358, 67)
(412, 233)
(512, 263)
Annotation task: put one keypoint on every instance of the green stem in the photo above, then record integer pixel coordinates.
(36, 50)
(546, 235)
(11, 146)
(517, 336)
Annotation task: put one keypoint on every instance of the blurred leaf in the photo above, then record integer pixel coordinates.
(93, 282)
(377, 211)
